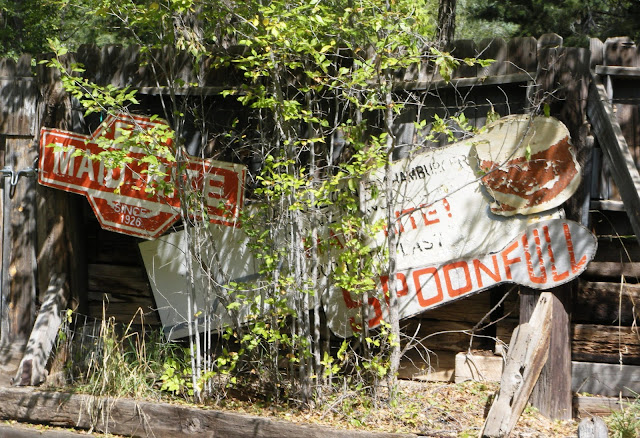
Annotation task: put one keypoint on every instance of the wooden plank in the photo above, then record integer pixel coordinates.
(552, 393)
(513, 78)
(17, 118)
(493, 48)
(504, 331)
(614, 224)
(527, 354)
(106, 247)
(615, 150)
(611, 380)
(613, 270)
(452, 336)
(427, 365)
(596, 47)
(522, 54)
(471, 310)
(124, 313)
(60, 259)
(620, 51)
(593, 427)
(122, 280)
(588, 406)
(607, 344)
(102, 270)
(464, 49)
(626, 115)
(188, 91)
(628, 72)
(605, 204)
(618, 249)
(606, 303)
(136, 418)
(478, 366)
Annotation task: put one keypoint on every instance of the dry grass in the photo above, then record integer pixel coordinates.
(434, 409)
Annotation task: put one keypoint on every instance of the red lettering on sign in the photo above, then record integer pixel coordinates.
(384, 281)
(455, 292)
(429, 213)
(377, 319)
(148, 213)
(507, 262)
(479, 266)
(575, 267)
(552, 260)
(525, 245)
(351, 304)
(447, 206)
(426, 302)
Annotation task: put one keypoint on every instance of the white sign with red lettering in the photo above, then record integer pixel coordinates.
(442, 204)
(452, 240)
(547, 254)
(441, 197)
(64, 165)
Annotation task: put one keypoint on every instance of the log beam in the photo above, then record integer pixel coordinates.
(527, 354)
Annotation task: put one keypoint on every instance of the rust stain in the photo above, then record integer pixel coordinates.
(533, 182)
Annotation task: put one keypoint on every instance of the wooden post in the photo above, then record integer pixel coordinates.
(60, 264)
(17, 125)
(552, 394)
(615, 149)
(527, 354)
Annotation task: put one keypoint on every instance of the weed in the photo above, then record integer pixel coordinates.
(625, 423)
(109, 359)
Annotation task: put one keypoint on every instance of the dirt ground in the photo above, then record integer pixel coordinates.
(430, 409)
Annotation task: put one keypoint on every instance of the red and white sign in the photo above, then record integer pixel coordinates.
(549, 253)
(132, 210)
(452, 241)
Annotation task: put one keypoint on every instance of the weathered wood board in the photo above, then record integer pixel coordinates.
(612, 380)
(623, 167)
(18, 94)
(527, 355)
(606, 303)
(587, 406)
(134, 418)
(432, 365)
(606, 344)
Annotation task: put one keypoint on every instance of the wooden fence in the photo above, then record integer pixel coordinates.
(594, 318)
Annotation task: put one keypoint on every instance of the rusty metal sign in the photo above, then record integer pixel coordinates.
(462, 224)
(459, 202)
(117, 196)
(534, 171)
(442, 198)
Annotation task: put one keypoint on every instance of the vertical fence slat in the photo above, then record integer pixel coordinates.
(17, 106)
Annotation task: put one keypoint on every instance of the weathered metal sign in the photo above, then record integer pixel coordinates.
(227, 255)
(132, 210)
(547, 254)
(442, 203)
(452, 242)
(442, 198)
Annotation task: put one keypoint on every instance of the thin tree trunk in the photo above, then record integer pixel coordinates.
(394, 318)
(446, 22)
